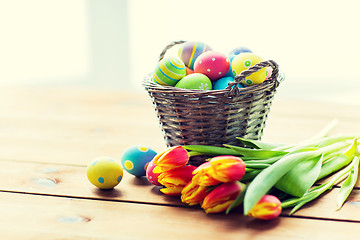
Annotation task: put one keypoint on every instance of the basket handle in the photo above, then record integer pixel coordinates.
(172, 44)
(233, 87)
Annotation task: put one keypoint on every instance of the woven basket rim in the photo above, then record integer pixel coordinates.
(152, 86)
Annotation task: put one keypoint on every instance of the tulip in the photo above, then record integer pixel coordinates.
(222, 197)
(175, 180)
(220, 169)
(269, 207)
(203, 175)
(227, 168)
(193, 193)
(169, 159)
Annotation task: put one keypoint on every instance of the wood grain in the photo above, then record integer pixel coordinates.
(49, 135)
(46, 217)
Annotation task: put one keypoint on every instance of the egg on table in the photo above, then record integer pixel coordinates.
(169, 71)
(135, 159)
(195, 81)
(104, 172)
(213, 64)
(244, 61)
(189, 51)
(151, 176)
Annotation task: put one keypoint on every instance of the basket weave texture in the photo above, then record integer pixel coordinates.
(213, 117)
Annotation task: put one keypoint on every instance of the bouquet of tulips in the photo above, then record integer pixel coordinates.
(261, 177)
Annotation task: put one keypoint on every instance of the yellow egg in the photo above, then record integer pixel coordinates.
(104, 173)
(244, 61)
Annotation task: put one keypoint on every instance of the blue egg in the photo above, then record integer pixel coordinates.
(135, 159)
(237, 51)
(222, 83)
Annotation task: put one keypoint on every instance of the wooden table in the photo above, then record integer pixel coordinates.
(49, 135)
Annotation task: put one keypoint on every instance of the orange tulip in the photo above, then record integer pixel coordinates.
(269, 207)
(219, 199)
(169, 159)
(193, 193)
(175, 180)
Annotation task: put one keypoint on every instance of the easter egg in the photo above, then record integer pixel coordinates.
(222, 83)
(169, 71)
(152, 177)
(189, 51)
(135, 159)
(104, 173)
(238, 50)
(213, 64)
(195, 81)
(189, 71)
(242, 62)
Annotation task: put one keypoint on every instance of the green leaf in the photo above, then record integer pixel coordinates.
(314, 192)
(258, 144)
(255, 153)
(300, 178)
(349, 184)
(211, 150)
(268, 177)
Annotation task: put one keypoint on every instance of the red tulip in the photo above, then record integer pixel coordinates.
(220, 169)
(193, 193)
(176, 179)
(269, 207)
(171, 158)
(219, 199)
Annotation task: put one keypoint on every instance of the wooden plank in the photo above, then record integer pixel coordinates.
(44, 217)
(72, 126)
(71, 181)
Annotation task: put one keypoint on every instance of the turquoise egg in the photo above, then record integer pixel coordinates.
(135, 159)
(222, 83)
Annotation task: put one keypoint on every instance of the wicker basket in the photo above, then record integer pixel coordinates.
(213, 117)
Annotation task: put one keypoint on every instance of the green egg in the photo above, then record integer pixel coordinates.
(195, 81)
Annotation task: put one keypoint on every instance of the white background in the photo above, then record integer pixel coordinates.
(115, 43)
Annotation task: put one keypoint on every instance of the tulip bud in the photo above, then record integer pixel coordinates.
(227, 168)
(176, 179)
(222, 197)
(193, 193)
(171, 158)
(269, 207)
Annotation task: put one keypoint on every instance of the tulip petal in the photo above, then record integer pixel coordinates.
(172, 191)
(171, 158)
(222, 197)
(193, 193)
(269, 207)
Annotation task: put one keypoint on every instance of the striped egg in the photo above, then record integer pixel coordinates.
(169, 71)
(189, 51)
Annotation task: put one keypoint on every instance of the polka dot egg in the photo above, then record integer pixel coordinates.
(135, 159)
(104, 173)
(190, 51)
(242, 62)
(152, 177)
(169, 71)
(213, 64)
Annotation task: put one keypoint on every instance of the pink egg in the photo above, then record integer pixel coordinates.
(213, 64)
(152, 177)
